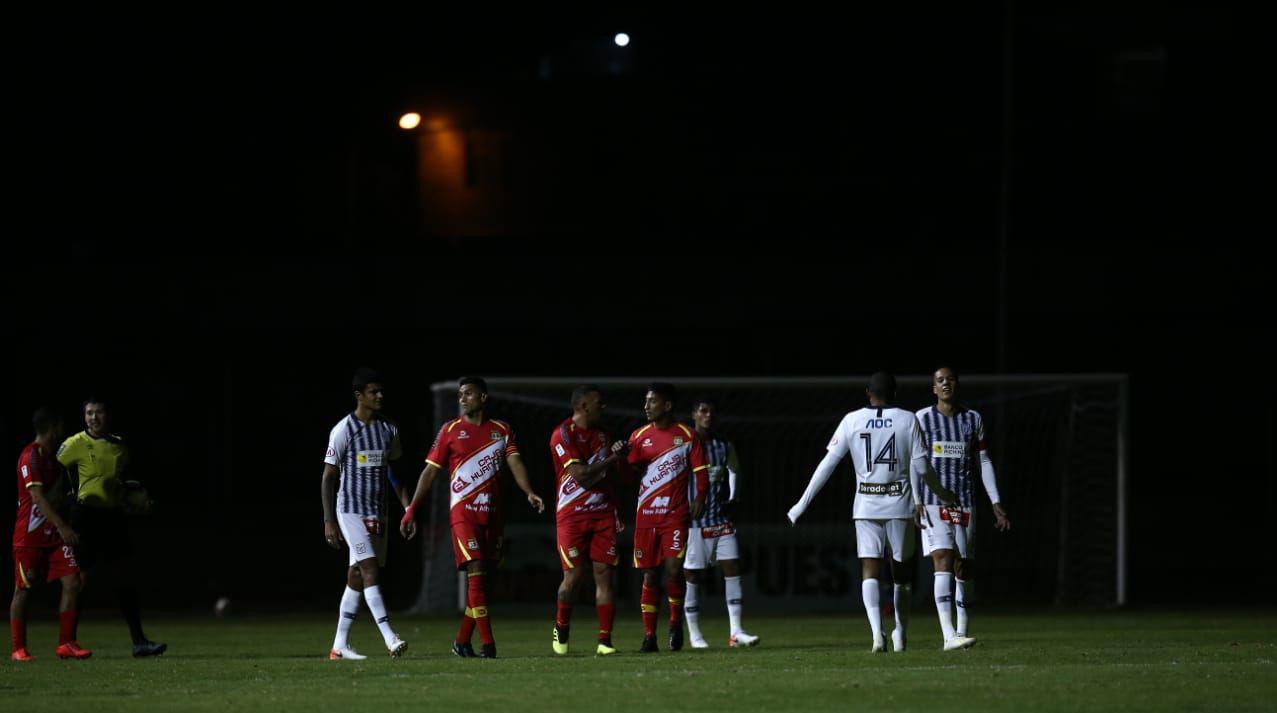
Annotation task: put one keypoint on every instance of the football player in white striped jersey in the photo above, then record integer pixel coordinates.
(955, 438)
(712, 538)
(356, 469)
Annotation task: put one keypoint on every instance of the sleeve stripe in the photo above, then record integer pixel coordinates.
(434, 464)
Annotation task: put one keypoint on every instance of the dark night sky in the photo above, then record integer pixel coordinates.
(225, 201)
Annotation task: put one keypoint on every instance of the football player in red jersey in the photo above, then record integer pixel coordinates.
(585, 512)
(672, 484)
(473, 449)
(43, 542)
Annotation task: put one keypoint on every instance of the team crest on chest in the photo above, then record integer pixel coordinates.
(462, 435)
(496, 435)
(678, 440)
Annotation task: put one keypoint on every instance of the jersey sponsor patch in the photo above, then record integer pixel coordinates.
(370, 459)
(957, 516)
(895, 487)
(948, 449)
(558, 448)
(710, 533)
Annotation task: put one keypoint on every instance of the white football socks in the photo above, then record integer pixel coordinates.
(346, 618)
(377, 606)
(869, 592)
(903, 596)
(732, 587)
(944, 602)
(692, 611)
(966, 590)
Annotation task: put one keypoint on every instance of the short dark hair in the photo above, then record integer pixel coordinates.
(665, 390)
(945, 366)
(582, 391)
(478, 382)
(96, 400)
(703, 399)
(363, 377)
(883, 385)
(45, 419)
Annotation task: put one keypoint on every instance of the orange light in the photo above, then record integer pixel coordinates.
(409, 121)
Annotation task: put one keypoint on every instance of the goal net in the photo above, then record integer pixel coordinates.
(1058, 443)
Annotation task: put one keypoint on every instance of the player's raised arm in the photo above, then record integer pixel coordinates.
(586, 475)
(520, 474)
(837, 450)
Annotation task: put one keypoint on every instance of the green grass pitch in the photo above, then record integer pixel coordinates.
(1160, 661)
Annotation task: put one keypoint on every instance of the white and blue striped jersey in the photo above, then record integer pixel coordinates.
(721, 455)
(363, 452)
(954, 443)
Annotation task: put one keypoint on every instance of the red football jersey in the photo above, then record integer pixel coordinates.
(673, 461)
(473, 455)
(31, 529)
(570, 443)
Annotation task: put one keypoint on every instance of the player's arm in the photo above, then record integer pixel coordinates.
(834, 454)
(988, 478)
(69, 536)
(700, 475)
(733, 467)
(328, 496)
(587, 475)
(920, 469)
(990, 481)
(408, 525)
(401, 490)
(520, 474)
(338, 441)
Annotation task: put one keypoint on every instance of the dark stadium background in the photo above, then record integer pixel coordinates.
(213, 223)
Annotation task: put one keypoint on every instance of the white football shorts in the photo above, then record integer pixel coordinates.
(949, 529)
(873, 537)
(708, 545)
(365, 536)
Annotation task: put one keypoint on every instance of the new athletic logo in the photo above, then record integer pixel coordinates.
(661, 502)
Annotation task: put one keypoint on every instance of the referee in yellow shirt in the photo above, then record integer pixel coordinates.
(96, 460)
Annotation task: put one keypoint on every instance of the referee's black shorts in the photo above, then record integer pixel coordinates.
(104, 535)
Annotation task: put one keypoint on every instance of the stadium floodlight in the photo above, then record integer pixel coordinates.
(409, 121)
(621, 39)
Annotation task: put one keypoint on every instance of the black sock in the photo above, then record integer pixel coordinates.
(131, 610)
